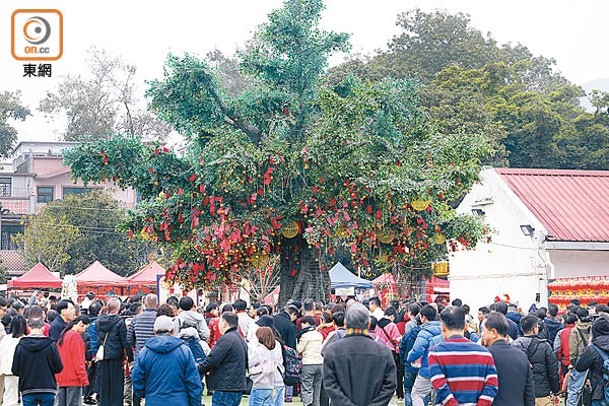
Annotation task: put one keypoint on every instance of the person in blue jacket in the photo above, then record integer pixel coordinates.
(420, 353)
(165, 371)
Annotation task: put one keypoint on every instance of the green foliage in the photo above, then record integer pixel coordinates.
(68, 235)
(350, 164)
(47, 239)
(528, 113)
(10, 109)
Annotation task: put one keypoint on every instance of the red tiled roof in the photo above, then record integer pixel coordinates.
(573, 205)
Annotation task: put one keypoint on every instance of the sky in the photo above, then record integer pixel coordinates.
(144, 32)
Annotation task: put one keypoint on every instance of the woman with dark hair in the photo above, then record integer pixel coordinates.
(167, 310)
(73, 377)
(7, 351)
(265, 365)
(36, 312)
(326, 326)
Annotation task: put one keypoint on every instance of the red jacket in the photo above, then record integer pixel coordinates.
(326, 331)
(214, 332)
(72, 353)
(563, 350)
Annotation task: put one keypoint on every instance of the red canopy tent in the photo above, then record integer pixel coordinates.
(147, 275)
(37, 277)
(98, 275)
(145, 280)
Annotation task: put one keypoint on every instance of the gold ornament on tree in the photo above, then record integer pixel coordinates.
(439, 238)
(420, 204)
(386, 237)
(260, 261)
(291, 230)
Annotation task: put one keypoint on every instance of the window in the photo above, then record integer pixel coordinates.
(45, 194)
(75, 190)
(6, 240)
(5, 187)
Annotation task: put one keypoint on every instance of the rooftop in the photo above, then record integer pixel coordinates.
(573, 205)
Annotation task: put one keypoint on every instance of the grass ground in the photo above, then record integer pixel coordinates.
(297, 402)
(207, 401)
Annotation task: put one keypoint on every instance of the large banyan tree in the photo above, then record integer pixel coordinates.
(285, 166)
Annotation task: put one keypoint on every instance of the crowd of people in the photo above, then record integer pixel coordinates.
(115, 352)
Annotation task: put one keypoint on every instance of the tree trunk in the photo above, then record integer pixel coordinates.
(301, 274)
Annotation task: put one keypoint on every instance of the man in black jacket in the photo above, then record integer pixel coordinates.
(542, 358)
(36, 362)
(67, 313)
(284, 323)
(226, 363)
(592, 359)
(552, 324)
(513, 368)
(112, 334)
(375, 380)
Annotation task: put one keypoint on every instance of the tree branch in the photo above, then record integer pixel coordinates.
(248, 129)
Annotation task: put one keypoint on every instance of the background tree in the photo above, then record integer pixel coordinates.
(529, 114)
(104, 103)
(70, 234)
(10, 109)
(291, 166)
(47, 239)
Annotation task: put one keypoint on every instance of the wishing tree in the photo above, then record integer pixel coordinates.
(290, 166)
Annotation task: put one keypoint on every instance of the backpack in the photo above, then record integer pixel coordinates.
(604, 370)
(195, 347)
(293, 366)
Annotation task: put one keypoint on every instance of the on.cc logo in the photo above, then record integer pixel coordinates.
(36, 30)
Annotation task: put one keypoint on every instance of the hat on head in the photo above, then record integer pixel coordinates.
(600, 327)
(265, 321)
(163, 323)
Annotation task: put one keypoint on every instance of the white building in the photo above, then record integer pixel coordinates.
(548, 224)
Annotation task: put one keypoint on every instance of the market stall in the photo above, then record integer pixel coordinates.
(100, 279)
(146, 279)
(39, 277)
(586, 289)
(346, 284)
(385, 287)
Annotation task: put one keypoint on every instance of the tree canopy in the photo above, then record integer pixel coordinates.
(10, 109)
(528, 113)
(287, 165)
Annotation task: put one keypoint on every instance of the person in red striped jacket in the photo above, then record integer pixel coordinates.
(462, 372)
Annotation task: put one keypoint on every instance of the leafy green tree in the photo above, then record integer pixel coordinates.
(514, 99)
(68, 235)
(104, 103)
(291, 166)
(10, 109)
(47, 239)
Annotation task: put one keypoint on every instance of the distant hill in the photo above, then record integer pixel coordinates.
(599, 84)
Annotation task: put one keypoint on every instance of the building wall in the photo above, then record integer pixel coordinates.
(512, 263)
(570, 264)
